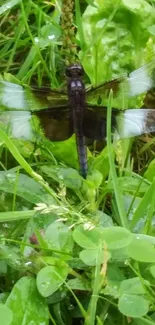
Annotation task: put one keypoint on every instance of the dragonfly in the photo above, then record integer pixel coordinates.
(62, 113)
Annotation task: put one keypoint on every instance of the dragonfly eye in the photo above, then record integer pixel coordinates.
(74, 71)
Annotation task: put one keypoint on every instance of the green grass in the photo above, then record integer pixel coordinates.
(76, 251)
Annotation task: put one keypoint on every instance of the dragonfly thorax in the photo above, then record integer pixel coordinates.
(75, 86)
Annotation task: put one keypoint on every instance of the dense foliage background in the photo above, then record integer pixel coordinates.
(76, 251)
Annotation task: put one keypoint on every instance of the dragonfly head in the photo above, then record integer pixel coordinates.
(74, 70)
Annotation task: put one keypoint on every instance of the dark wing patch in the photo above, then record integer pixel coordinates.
(55, 123)
(94, 122)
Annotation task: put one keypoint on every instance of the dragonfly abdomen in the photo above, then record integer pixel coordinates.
(82, 155)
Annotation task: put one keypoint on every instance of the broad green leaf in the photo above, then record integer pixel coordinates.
(114, 278)
(106, 28)
(79, 284)
(116, 237)
(90, 256)
(66, 150)
(93, 180)
(24, 186)
(76, 263)
(59, 236)
(130, 184)
(50, 278)
(101, 219)
(6, 315)
(26, 304)
(67, 176)
(86, 237)
(52, 260)
(141, 250)
(137, 6)
(104, 219)
(133, 305)
(120, 254)
(131, 286)
(12, 256)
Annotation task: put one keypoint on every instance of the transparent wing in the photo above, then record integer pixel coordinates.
(17, 124)
(135, 122)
